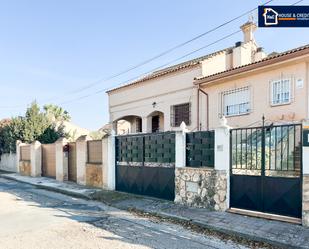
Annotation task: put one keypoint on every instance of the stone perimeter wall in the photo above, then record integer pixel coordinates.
(306, 200)
(201, 187)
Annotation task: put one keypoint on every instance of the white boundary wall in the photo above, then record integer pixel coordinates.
(8, 162)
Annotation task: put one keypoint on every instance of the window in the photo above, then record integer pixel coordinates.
(280, 92)
(236, 102)
(181, 113)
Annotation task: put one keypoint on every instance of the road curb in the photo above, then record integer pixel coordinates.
(50, 188)
(162, 215)
(217, 229)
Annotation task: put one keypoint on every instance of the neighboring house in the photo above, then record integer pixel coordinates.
(162, 100)
(123, 127)
(73, 130)
(276, 87)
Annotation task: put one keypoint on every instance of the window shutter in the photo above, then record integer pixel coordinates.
(236, 101)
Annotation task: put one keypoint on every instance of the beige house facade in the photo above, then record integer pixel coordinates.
(162, 100)
(276, 87)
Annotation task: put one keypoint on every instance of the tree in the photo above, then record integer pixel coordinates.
(4, 136)
(56, 113)
(52, 134)
(35, 125)
(36, 122)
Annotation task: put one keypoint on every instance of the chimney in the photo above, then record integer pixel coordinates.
(259, 54)
(248, 29)
(243, 52)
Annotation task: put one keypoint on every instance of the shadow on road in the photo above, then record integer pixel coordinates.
(125, 226)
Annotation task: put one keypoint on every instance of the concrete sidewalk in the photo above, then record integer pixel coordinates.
(279, 234)
(68, 188)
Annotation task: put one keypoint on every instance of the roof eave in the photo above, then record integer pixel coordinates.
(153, 77)
(250, 67)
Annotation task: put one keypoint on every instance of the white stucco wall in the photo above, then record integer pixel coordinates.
(176, 88)
(8, 162)
(165, 91)
(243, 54)
(217, 63)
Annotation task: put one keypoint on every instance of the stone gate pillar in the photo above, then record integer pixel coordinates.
(18, 144)
(222, 160)
(36, 159)
(109, 161)
(180, 146)
(62, 159)
(81, 159)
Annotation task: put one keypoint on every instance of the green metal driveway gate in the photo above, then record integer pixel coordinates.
(145, 164)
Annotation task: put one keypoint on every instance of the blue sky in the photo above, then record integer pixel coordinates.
(50, 48)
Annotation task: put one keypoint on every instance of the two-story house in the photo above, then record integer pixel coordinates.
(276, 87)
(165, 98)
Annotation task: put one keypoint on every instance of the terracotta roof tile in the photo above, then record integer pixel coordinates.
(268, 58)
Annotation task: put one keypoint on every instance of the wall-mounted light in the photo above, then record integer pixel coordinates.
(154, 104)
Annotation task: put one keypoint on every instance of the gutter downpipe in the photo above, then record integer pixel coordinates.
(198, 108)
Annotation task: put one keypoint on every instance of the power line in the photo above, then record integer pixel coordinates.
(153, 58)
(164, 52)
(297, 2)
(167, 51)
(168, 63)
(154, 69)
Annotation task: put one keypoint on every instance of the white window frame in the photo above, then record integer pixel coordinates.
(237, 105)
(280, 91)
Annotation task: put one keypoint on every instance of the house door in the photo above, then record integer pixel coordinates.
(155, 123)
(266, 169)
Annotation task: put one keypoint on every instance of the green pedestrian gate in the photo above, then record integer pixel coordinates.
(145, 164)
(266, 169)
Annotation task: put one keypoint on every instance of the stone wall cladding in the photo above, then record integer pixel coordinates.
(25, 168)
(94, 175)
(306, 200)
(201, 187)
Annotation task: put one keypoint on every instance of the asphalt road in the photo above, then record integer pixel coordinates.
(35, 218)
